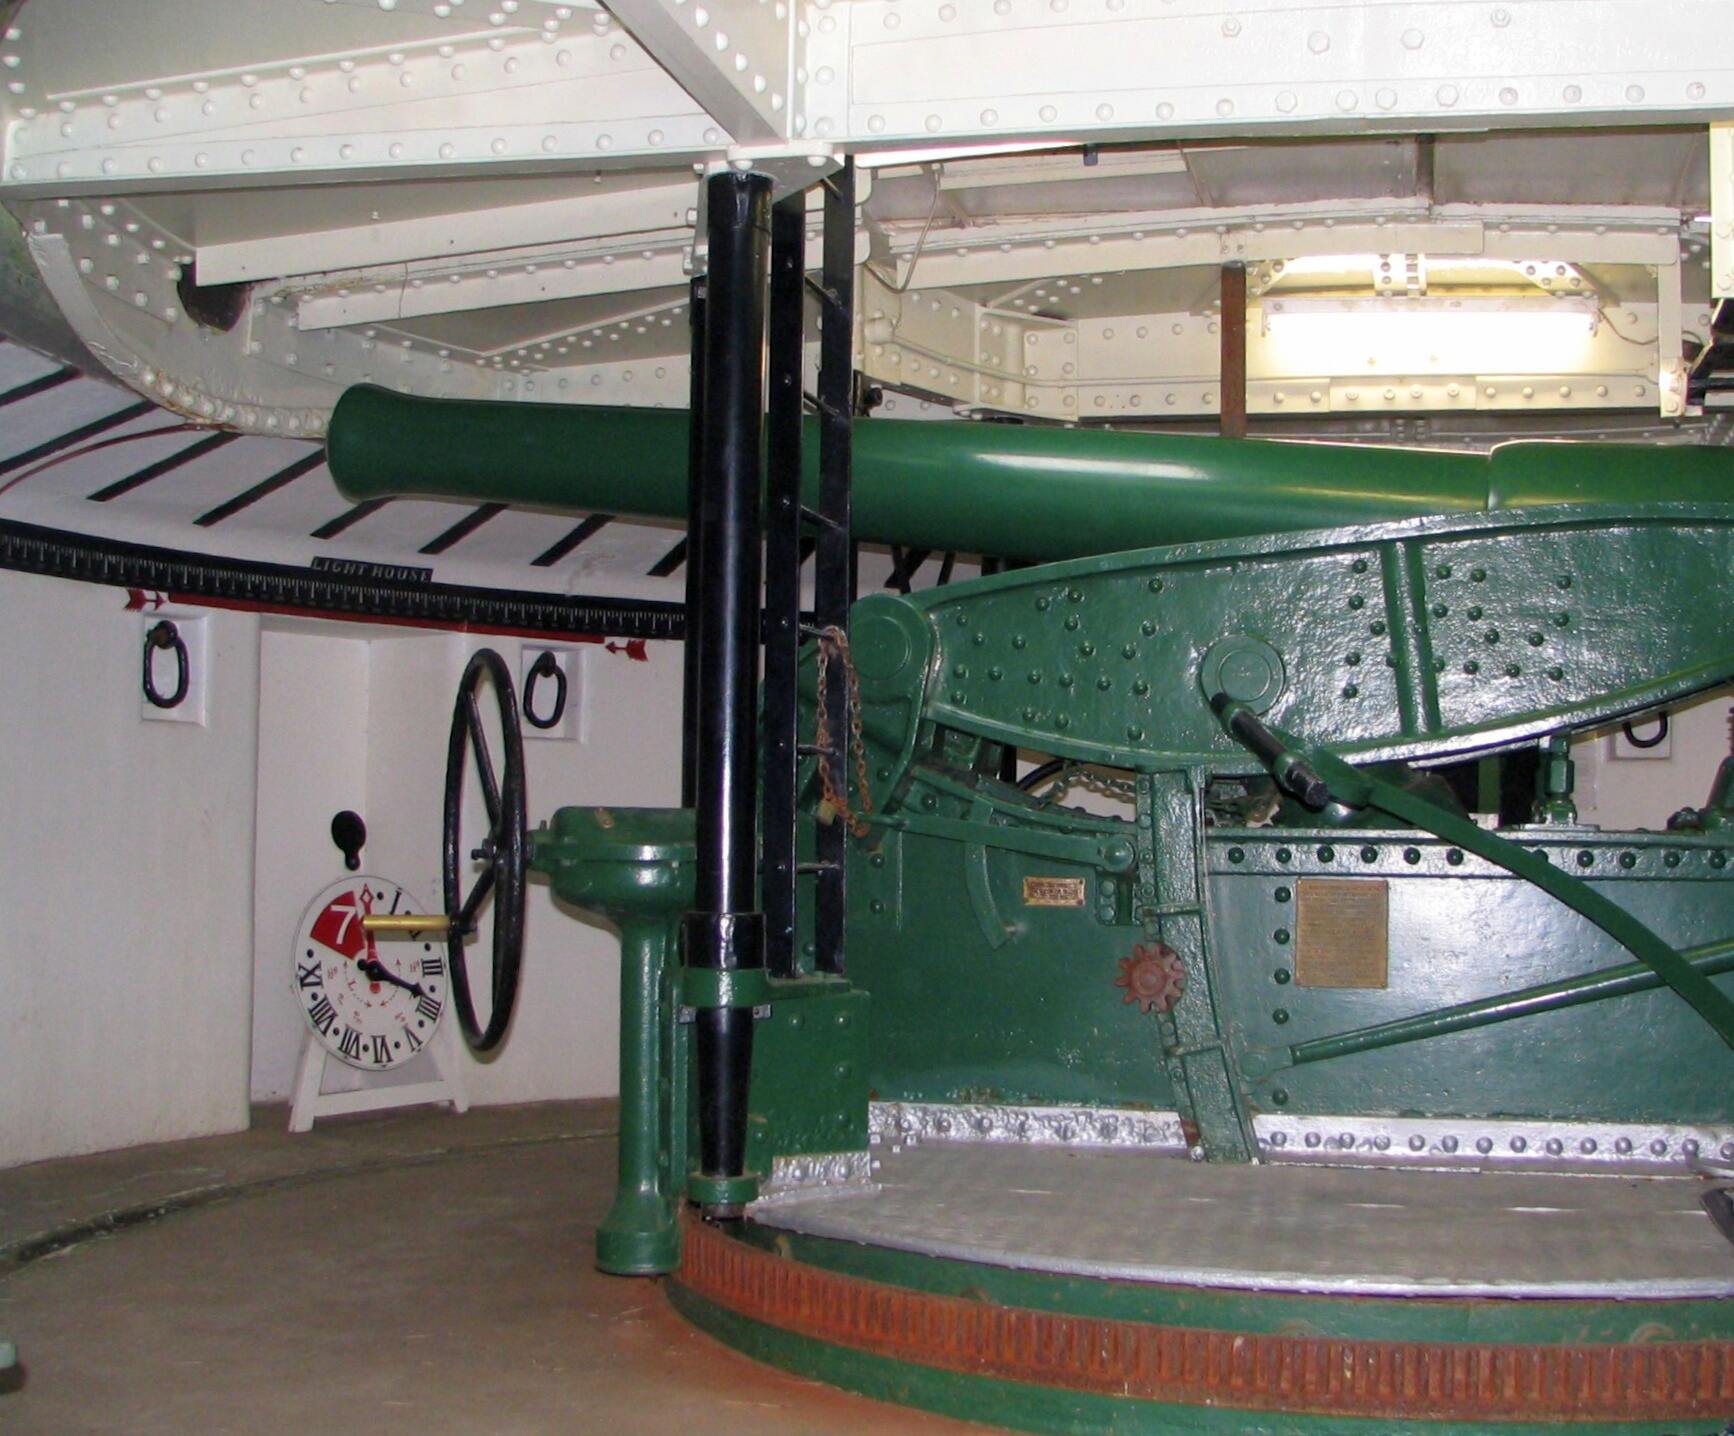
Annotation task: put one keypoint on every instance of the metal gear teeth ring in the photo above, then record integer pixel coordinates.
(1154, 977)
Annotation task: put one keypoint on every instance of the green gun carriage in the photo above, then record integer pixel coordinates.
(1200, 1061)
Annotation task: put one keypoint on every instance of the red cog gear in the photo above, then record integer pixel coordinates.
(1153, 976)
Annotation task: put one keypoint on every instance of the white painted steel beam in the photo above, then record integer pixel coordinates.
(220, 93)
(735, 57)
(208, 93)
(1099, 69)
(457, 230)
(1028, 249)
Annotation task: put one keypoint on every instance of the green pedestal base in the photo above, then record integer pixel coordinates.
(642, 1240)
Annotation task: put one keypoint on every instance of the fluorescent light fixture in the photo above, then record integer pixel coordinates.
(1587, 311)
(1431, 334)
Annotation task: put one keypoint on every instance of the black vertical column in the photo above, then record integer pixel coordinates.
(834, 564)
(694, 583)
(783, 576)
(725, 930)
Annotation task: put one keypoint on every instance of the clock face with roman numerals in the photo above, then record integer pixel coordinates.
(373, 999)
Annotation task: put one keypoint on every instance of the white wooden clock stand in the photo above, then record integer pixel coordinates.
(369, 1007)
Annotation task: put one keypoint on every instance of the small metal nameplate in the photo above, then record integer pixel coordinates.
(1053, 892)
(1342, 932)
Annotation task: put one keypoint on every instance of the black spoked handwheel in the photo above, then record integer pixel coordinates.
(501, 853)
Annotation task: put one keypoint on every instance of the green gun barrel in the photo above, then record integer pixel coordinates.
(1014, 490)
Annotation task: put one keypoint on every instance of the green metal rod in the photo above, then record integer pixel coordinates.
(1710, 959)
(1359, 789)
(1027, 491)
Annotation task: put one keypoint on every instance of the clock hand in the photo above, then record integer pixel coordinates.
(376, 971)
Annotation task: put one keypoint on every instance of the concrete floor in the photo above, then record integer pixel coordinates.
(395, 1274)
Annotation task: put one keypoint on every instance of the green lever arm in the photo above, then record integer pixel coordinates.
(1710, 959)
(1350, 785)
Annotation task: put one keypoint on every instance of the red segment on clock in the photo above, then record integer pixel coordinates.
(338, 927)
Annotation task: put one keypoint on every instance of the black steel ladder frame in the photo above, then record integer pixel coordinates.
(792, 529)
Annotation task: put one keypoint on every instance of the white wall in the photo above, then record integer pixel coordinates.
(377, 742)
(126, 880)
(1627, 792)
(313, 690)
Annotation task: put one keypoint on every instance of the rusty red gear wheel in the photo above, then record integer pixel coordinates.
(1153, 976)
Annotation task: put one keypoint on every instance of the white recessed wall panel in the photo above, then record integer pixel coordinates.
(313, 694)
(126, 881)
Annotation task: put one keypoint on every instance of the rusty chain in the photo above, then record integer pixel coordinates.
(832, 802)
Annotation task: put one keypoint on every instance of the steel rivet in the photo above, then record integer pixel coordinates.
(1283, 894)
(1281, 976)
(1327, 854)
(1454, 856)
(1519, 1145)
(1281, 937)
(1484, 1145)
(1417, 1143)
(1280, 1016)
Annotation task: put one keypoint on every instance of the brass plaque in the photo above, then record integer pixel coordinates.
(1053, 892)
(1342, 932)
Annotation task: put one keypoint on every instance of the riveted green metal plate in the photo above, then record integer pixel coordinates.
(1398, 640)
(1459, 929)
(809, 1079)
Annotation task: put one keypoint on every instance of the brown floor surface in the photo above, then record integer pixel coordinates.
(404, 1274)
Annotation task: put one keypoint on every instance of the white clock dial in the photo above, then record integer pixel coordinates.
(373, 1000)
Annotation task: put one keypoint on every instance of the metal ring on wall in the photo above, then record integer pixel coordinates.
(545, 666)
(165, 635)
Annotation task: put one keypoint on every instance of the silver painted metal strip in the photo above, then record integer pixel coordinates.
(1094, 1128)
(1592, 1147)
(809, 1174)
